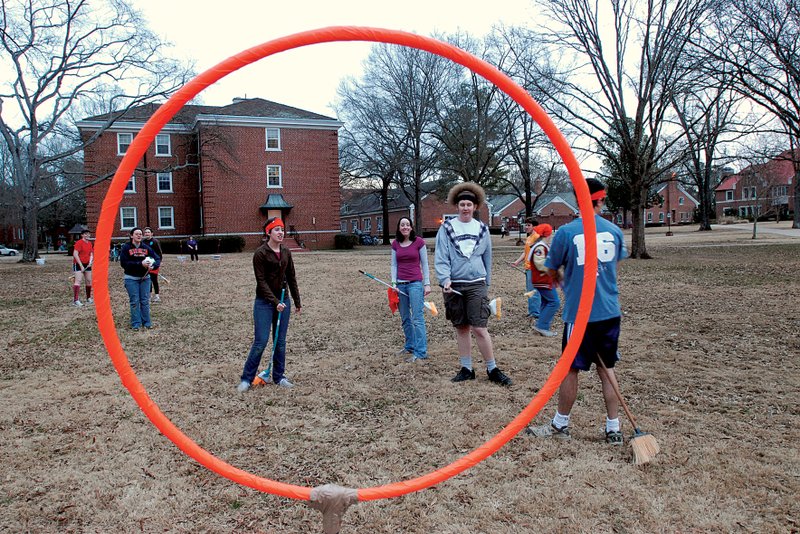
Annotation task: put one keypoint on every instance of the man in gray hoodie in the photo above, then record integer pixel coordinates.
(463, 264)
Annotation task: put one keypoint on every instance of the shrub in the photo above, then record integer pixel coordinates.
(345, 241)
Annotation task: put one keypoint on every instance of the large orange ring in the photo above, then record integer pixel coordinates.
(144, 138)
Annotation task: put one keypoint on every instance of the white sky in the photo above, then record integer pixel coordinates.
(306, 78)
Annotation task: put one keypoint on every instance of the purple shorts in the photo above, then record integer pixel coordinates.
(601, 338)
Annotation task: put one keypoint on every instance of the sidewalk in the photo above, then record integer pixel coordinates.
(784, 228)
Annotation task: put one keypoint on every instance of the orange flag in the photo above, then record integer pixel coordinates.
(394, 299)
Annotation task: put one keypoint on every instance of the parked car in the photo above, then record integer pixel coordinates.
(7, 251)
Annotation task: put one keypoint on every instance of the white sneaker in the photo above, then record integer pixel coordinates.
(91, 300)
(545, 333)
(267, 378)
(243, 386)
(284, 383)
(77, 304)
(156, 298)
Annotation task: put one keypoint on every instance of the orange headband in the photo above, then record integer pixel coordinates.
(597, 195)
(273, 224)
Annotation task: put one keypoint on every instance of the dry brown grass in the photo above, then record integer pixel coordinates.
(710, 367)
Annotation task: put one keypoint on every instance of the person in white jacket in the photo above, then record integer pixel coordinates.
(463, 263)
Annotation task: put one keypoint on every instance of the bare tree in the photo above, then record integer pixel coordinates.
(621, 83)
(63, 54)
(759, 42)
(759, 185)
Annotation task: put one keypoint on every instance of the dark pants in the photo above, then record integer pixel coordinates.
(265, 318)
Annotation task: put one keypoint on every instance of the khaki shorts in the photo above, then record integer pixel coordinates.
(469, 309)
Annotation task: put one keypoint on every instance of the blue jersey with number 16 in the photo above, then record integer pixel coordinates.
(568, 250)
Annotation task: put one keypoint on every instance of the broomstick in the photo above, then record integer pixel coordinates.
(644, 445)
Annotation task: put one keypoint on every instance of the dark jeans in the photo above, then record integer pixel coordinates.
(265, 318)
(139, 296)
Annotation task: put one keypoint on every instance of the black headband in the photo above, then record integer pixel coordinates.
(467, 195)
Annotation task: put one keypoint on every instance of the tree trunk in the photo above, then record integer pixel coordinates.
(796, 220)
(705, 213)
(638, 248)
(30, 217)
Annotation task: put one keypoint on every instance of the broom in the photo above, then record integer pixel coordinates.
(644, 445)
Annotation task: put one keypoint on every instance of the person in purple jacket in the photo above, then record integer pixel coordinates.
(410, 276)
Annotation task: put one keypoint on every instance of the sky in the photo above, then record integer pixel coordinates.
(306, 78)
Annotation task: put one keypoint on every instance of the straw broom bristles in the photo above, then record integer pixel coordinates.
(644, 445)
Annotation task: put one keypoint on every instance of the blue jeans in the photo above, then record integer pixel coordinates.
(550, 304)
(412, 313)
(535, 301)
(265, 318)
(139, 296)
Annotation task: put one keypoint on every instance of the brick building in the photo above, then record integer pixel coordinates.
(758, 190)
(222, 171)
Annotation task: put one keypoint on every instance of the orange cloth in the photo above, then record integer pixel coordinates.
(394, 299)
(528, 244)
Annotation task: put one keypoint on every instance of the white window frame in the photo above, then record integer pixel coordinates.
(753, 192)
(343, 226)
(122, 217)
(366, 223)
(683, 216)
(120, 144)
(680, 201)
(171, 217)
(661, 216)
(274, 137)
(729, 195)
(353, 225)
(160, 137)
(649, 216)
(280, 177)
(379, 223)
(131, 182)
(158, 182)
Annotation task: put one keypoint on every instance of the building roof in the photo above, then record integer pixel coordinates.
(500, 202)
(681, 189)
(779, 169)
(190, 113)
(544, 200)
(275, 202)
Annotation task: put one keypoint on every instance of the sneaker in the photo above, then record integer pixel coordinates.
(156, 298)
(464, 374)
(548, 430)
(403, 352)
(284, 383)
(265, 377)
(135, 328)
(77, 304)
(414, 358)
(91, 300)
(243, 386)
(499, 377)
(614, 437)
(545, 333)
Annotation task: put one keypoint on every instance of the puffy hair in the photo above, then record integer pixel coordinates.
(471, 187)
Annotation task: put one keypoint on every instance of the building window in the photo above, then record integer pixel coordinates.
(752, 192)
(273, 138)
(367, 224)
(343, 227)
(127, 217)
(131, 187)
(274, 176)
(124, 140)
(742, 211)
(728, 195)
(163, 145)
(649, 216)
(201, 216)
(164, 180)
(683, 216)
(680, 201)
(353, 225)
(661, 217)
(166, 217)
(379, 223)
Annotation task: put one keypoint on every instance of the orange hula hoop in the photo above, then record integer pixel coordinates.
(144, 138)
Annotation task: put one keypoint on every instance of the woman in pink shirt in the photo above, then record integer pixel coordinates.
(410, 276)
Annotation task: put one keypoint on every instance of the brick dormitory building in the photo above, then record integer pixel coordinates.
(220, 171)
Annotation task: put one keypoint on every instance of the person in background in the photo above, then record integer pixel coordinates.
(137, 259)
(601, 338)
(274, 270)
(410, 275)
(193, 247)
(82, 260)
(535, 300)
(542, 281)
(156, 246)
(463, 262)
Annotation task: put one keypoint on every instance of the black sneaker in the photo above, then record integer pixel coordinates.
(464, 374)
(496, 375)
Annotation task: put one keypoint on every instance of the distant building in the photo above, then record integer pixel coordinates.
(222, 171)
(758, 190)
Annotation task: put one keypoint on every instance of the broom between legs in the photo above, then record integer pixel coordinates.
(644, 445)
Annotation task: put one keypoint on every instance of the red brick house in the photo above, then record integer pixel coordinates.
(222, 171)
(758, 190)
(678, 207)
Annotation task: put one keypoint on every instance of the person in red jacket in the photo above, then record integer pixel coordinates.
(82, 260)
(542, 281)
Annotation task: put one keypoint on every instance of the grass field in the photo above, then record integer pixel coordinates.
(711, 367)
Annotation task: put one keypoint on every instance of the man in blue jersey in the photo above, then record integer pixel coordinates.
(602, 332)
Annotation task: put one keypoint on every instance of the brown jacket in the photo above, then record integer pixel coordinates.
(272, 275)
